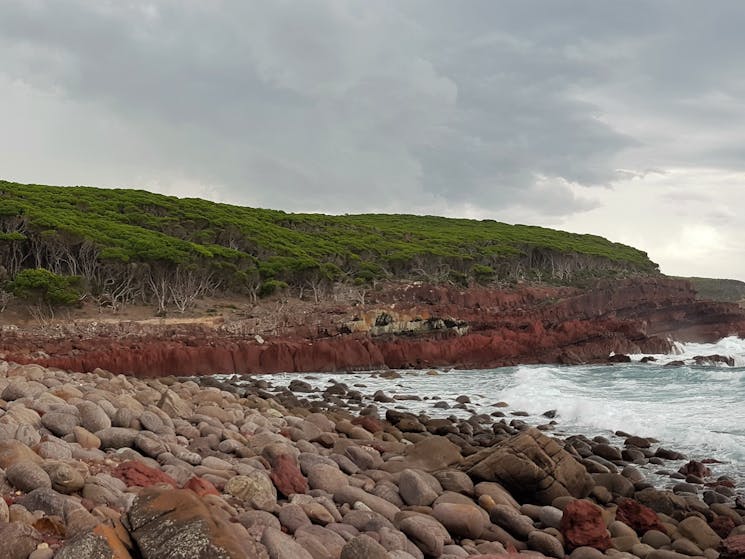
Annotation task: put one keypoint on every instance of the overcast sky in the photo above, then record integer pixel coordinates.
(624, 119)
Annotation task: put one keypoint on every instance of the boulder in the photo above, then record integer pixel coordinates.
(282, 546)
(546, 544)
(511, 520)
(639, 517)
(14, 451)
(27, 476)
(582, 525)
(733, 547)
(433, 453)
(18, 540)
(105, 541)
(255, 488)
(135, 473)
(178, 523)
(92, 417)
(416, 489)
(363, 547)
(462, 520)
(531, 466)
(286, 475)
(427, 533)
(326, 477)
(698, 531)
(64, 477)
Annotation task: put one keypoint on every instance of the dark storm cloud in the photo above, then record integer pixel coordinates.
(356, 106)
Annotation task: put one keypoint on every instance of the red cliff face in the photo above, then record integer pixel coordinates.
(505, 327)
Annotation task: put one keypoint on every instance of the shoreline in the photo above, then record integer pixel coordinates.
(259, 472)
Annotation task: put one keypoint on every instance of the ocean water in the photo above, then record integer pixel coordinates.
(698, 410)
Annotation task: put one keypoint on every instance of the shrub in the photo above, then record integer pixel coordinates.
(42, 286)
(270, 287)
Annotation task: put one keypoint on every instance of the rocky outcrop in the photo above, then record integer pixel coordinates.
(414, 326)
(531, 466)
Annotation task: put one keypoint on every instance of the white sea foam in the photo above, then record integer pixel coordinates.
(699, 410)
(731, 346)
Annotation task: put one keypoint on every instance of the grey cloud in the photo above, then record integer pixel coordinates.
(359, 106)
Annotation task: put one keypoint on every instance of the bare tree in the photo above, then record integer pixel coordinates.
(157, 281)
(188, 285)
(5, 298)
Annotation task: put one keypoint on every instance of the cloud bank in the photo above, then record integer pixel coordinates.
(621, 119)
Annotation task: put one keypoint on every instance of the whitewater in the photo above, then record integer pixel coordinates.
(695, 409)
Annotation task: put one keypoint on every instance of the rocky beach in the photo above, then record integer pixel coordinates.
(101, 465)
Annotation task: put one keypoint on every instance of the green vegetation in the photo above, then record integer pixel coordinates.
(725, 290)
(130, 244)
(42, 286)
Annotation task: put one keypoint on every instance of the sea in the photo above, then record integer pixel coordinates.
(698, 410)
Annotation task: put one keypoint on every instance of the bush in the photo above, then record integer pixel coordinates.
(42, 286)
(270, 287)
(482, 274)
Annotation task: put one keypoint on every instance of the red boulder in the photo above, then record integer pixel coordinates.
(287, 477)
(733, 548)
(639, 517)
(201, 486)
(582, 525)
(135, 473)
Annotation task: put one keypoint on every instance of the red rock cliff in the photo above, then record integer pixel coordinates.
(419, 326)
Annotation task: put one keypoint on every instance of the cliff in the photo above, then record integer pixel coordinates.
(412, 325)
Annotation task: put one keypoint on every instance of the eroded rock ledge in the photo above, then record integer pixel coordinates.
(413, 326)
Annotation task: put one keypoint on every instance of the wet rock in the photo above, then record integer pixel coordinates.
(664, 502)
(297, 385)
(695, 468)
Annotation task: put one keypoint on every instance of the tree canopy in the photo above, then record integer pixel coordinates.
(108, 235)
